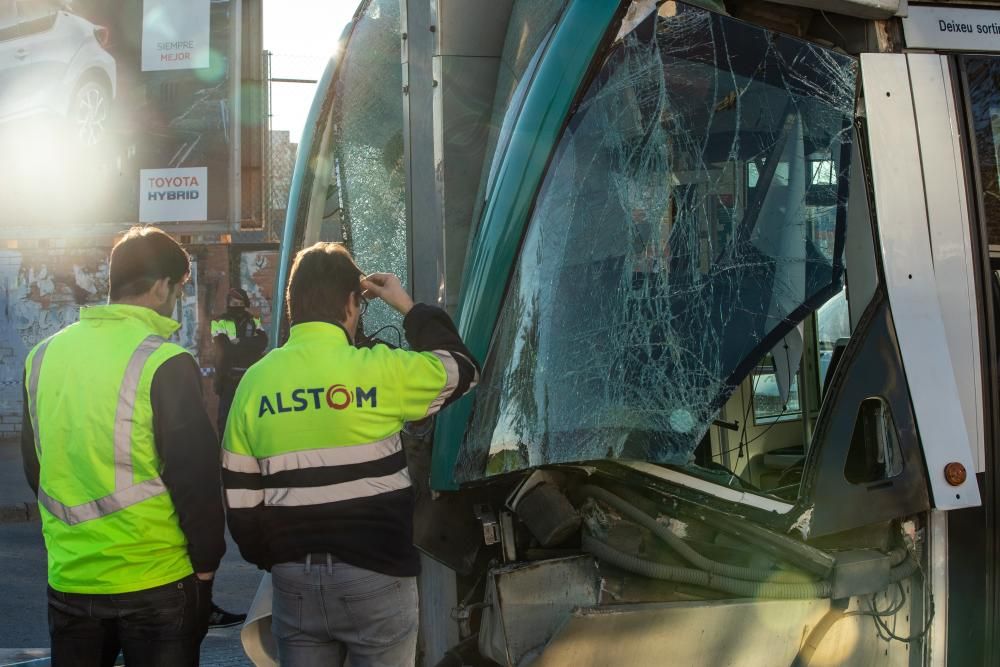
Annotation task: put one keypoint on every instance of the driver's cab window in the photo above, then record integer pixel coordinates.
(762, 433)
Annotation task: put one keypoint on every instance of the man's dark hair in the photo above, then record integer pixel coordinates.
(323, 278)
(140, 258)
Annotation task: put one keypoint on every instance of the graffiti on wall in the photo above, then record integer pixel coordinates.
(187, 314)
(258, 272)
(44, 300)
(40, 293)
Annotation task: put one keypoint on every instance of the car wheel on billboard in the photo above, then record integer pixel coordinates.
(89, 111)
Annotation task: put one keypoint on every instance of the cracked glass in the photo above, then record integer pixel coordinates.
(693, 213)
(369, 177)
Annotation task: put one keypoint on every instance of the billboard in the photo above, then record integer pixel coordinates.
(173, 194)
(107, 105)
(175, 34)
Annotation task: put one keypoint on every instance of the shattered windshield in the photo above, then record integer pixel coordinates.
(693, 213)
(369, 180)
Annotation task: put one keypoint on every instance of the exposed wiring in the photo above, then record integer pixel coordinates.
(873, 609)
(746, 418)
(743, 442)
(881, 625)
(879, 615)
(784, 407)
(775, 419)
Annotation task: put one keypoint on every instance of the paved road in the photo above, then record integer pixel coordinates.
(22, 595)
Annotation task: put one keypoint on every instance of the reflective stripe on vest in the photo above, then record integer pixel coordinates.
(318, 495)
(451, 383)
(334, 493)
(332, 456)
(102, 507)
(126, 493)
(326, 457)
(36, 369)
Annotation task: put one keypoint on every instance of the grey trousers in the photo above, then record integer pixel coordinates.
(332, 613)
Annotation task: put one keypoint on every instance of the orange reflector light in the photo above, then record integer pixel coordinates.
(955, 473)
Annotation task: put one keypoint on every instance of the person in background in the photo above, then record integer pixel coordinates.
(239, 343)
(118, 447)
(316, 479)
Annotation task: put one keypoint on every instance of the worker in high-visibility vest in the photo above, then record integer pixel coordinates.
(122, 454)
(317, 486)
(239, 343)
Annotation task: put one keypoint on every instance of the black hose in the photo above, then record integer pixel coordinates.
(701, 562)
(687, 575)
(836, 612)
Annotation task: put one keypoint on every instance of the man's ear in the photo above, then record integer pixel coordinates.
(161, 290)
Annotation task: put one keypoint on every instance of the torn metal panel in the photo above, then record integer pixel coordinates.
(528, 604)
(692, 215)
(802, 524)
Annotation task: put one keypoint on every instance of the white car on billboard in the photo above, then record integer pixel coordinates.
(55, 62)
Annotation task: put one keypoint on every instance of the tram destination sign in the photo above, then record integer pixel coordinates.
(952, 29)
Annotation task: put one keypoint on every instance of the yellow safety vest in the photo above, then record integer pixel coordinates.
(228, 328)
(108, 521)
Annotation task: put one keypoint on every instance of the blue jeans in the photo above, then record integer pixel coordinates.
(332, 613)
(157, 627)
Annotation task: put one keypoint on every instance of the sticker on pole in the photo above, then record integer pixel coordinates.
(175, 34)
(173, 195)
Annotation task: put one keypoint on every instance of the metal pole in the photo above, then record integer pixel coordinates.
(268, 167)
(438, 588)
(235, 114)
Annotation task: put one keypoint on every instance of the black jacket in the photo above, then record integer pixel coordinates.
(233, 357)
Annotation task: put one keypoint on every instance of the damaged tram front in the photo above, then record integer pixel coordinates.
(728, 268)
